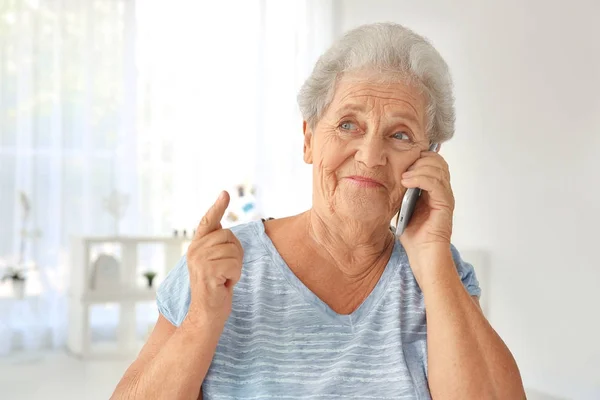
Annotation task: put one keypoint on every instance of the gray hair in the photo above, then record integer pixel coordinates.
(390, 50)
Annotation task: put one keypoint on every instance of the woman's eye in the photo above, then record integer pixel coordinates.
(401, 136)
(348, 126)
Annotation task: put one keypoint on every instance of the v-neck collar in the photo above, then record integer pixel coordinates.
(357, 315)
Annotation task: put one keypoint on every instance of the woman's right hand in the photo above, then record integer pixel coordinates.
(214, 260)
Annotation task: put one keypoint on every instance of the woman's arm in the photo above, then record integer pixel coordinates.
(466, 357)
(172, 363)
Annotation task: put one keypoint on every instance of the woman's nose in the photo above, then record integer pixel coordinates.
(371, 152)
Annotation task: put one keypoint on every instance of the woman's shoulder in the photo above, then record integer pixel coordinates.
(251, 237)
(173, 295)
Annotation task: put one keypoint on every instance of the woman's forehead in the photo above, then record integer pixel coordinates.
(363, 95)
(363, 91)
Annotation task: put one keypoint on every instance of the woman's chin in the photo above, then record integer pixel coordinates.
(363, 211)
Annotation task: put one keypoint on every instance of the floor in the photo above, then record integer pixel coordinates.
(58, 376)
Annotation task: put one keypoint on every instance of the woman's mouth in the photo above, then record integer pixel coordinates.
(364, 182)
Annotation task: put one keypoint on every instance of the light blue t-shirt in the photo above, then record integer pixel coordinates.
(282, 342)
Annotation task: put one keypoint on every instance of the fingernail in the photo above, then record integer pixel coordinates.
(221, 196)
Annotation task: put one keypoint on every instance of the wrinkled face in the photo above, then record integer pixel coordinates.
(370, 134)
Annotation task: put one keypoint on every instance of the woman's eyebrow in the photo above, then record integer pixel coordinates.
(406, 115)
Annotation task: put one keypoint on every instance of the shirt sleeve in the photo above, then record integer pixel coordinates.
(466, 273)
(173, 295)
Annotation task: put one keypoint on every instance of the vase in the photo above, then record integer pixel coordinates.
(18, 286)
(150, 280)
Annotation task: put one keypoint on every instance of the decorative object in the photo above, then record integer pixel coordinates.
(17, 278)
(242, 207)
(150, 275)
(116, 204)
(184, 233)
(25, 234)
(25, 208)
(17, 273)
(105, 272)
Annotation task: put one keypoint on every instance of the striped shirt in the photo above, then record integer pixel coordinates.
(281, 341)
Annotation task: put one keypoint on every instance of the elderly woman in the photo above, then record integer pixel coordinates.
(330, 303)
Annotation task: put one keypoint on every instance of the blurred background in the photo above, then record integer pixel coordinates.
(121, 120)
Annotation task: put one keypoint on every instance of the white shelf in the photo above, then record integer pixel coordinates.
(137, 239)
(86, 290)
(119, 296)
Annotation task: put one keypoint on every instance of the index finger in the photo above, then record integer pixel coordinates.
(211, 221)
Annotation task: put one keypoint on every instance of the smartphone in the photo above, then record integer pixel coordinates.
(409, 201)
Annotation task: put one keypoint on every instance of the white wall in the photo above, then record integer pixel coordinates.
(526, 170)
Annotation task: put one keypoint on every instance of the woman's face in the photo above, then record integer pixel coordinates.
(370, 134)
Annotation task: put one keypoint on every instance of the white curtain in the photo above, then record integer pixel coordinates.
(294, 37)
(165, 103)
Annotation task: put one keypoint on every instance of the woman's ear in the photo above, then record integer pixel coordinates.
(308, 136)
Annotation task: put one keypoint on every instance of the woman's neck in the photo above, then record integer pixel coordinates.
(354, 248)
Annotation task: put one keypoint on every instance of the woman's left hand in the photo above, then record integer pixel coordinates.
(431, 223)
